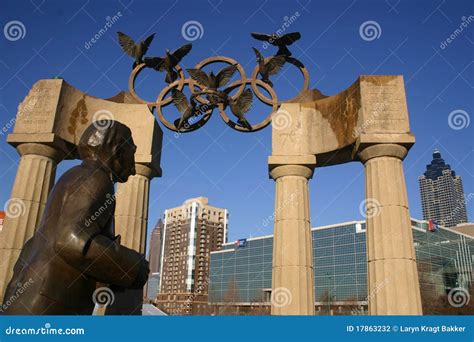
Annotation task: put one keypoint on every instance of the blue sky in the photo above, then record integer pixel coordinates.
(228, 167)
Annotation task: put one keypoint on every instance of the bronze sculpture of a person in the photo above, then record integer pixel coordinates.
(74, 246)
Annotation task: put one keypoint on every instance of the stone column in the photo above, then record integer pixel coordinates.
(33, 182)
(131, 220)
(292, 269)
(393, 287)
(131, 212)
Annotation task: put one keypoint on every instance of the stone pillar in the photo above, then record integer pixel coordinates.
(292, 268)
(393, 287)
(33, 182)
(131, 220)
(131, 212)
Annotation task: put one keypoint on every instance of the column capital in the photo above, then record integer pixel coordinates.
(382, 150)
(292, 170)
(146, 171)
(302, 166)
(40, 150)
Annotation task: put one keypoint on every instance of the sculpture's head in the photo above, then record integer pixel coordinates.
(111, 144)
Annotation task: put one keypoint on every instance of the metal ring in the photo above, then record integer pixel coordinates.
(260, 125)
(160, 104)
(270, 102)
(219, 59)
(134, 75)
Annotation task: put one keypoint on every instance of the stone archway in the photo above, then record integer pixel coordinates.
(368, 122)
(49, 123)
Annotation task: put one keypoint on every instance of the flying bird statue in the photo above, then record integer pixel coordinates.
(188, 109)
(213, 81)
(240, 106)
(270, 66)
(134, 50)
(169, 62)
(279, 41)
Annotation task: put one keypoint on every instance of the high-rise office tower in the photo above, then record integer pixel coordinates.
(154, 252)
(190, 232)
(442, 194)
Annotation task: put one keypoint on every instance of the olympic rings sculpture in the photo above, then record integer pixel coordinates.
(211, 92)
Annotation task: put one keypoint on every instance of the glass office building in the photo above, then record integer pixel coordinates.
(241, 272)
(153, 285)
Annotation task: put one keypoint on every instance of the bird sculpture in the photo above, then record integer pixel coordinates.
(169, 62)
(212, 82)
(134, 50)
(240, 106)
(279, 41)
(268, 67)
(188, 109)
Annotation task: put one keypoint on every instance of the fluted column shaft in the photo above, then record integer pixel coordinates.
(292, 268)
(34, 179)
(131, 219)
(393, 286)
(131, 211)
